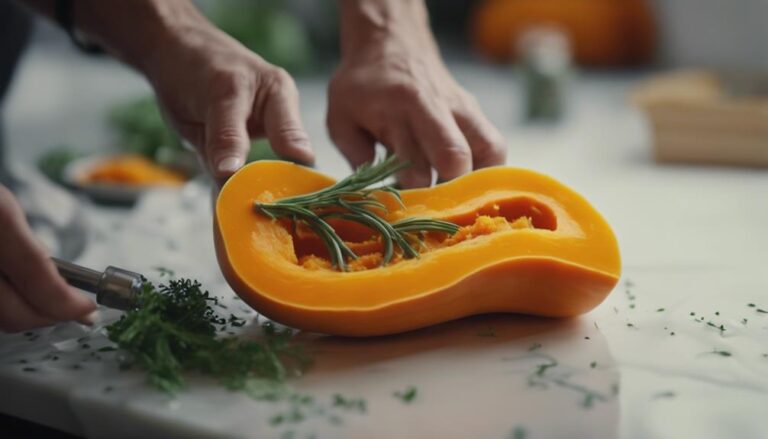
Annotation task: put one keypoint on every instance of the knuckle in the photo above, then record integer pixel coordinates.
(230, 82)
(405, 91)
(291, 134)
(280, 79)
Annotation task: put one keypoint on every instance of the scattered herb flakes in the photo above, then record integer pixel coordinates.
(667, 394)
(109, 389)
(660, 310)
(356, 404)
(235, 321)
(751, 305)
(29, 369)
(720, 328)
(85, 346)
(628, 283)
(76, 367)
(717, 313)
(587, 338)
(744, 321)
(589, 400)
(408, 395)
(765, 355)
(163, 271)
(631, 325)
(519, 432)
(672, 333)
(692, 313)
(761, 311)
(23, 361)
(534, 347)
(174, 332)
(107, 349)
(541, 369)
(29, 334)
(719, 352)
(593, 364)
(631, 306)
(487, 332)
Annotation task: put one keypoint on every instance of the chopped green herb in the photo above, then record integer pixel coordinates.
(717, 313)
(174, 331)
(107, 349)
(108, 389)
(587, 338)
(165, 272)
(631, 325)
(744, 321)
(665, 394)
(357, 404)
(720, 353)
(761, 311)
(672, 333)
(518, 432)
(534, 347)
(29, 369)
(408, 395)
(593, 364)
(660, 310)
(541, 369)
(693, 313)
(751, 305)
(631, 306)
(85, 346)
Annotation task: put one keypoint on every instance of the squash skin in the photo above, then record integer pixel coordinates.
(560, 273)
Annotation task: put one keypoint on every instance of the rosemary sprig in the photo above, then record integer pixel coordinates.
(352, 199)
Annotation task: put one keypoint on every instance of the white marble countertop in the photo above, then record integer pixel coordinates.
(693, 240)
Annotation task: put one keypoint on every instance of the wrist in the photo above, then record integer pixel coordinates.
(367, 24)
(134, 30)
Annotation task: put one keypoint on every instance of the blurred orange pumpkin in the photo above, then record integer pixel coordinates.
(600, 32)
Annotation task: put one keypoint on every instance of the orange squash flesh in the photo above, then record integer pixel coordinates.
(564, 266)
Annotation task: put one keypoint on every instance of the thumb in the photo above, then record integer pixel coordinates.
(227, 142)
(282, 122)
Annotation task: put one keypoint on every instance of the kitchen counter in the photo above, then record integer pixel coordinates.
(641, 365)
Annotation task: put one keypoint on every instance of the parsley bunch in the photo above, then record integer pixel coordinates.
(173, 331)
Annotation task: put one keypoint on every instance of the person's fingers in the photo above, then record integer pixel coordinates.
(282, 120)
(226, 137)
(29, 270)
(488, 146)
(357, 146)
(442, 141)
(406, 148)
(15, 314)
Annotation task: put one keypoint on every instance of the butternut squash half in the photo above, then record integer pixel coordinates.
(528, 245)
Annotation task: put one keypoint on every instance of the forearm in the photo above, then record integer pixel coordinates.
(373, 22)
(132, 30)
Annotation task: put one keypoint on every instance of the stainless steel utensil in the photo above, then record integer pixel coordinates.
(114, 288)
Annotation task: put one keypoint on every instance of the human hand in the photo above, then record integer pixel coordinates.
(32, 294)
(217, 94)
(392, 87)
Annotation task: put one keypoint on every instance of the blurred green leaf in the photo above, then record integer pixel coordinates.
(54, 162)
(267, 29)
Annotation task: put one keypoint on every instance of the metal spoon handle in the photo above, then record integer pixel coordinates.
(115, 287)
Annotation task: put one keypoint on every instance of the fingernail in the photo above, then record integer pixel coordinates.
(89, 319)
(229, 165)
